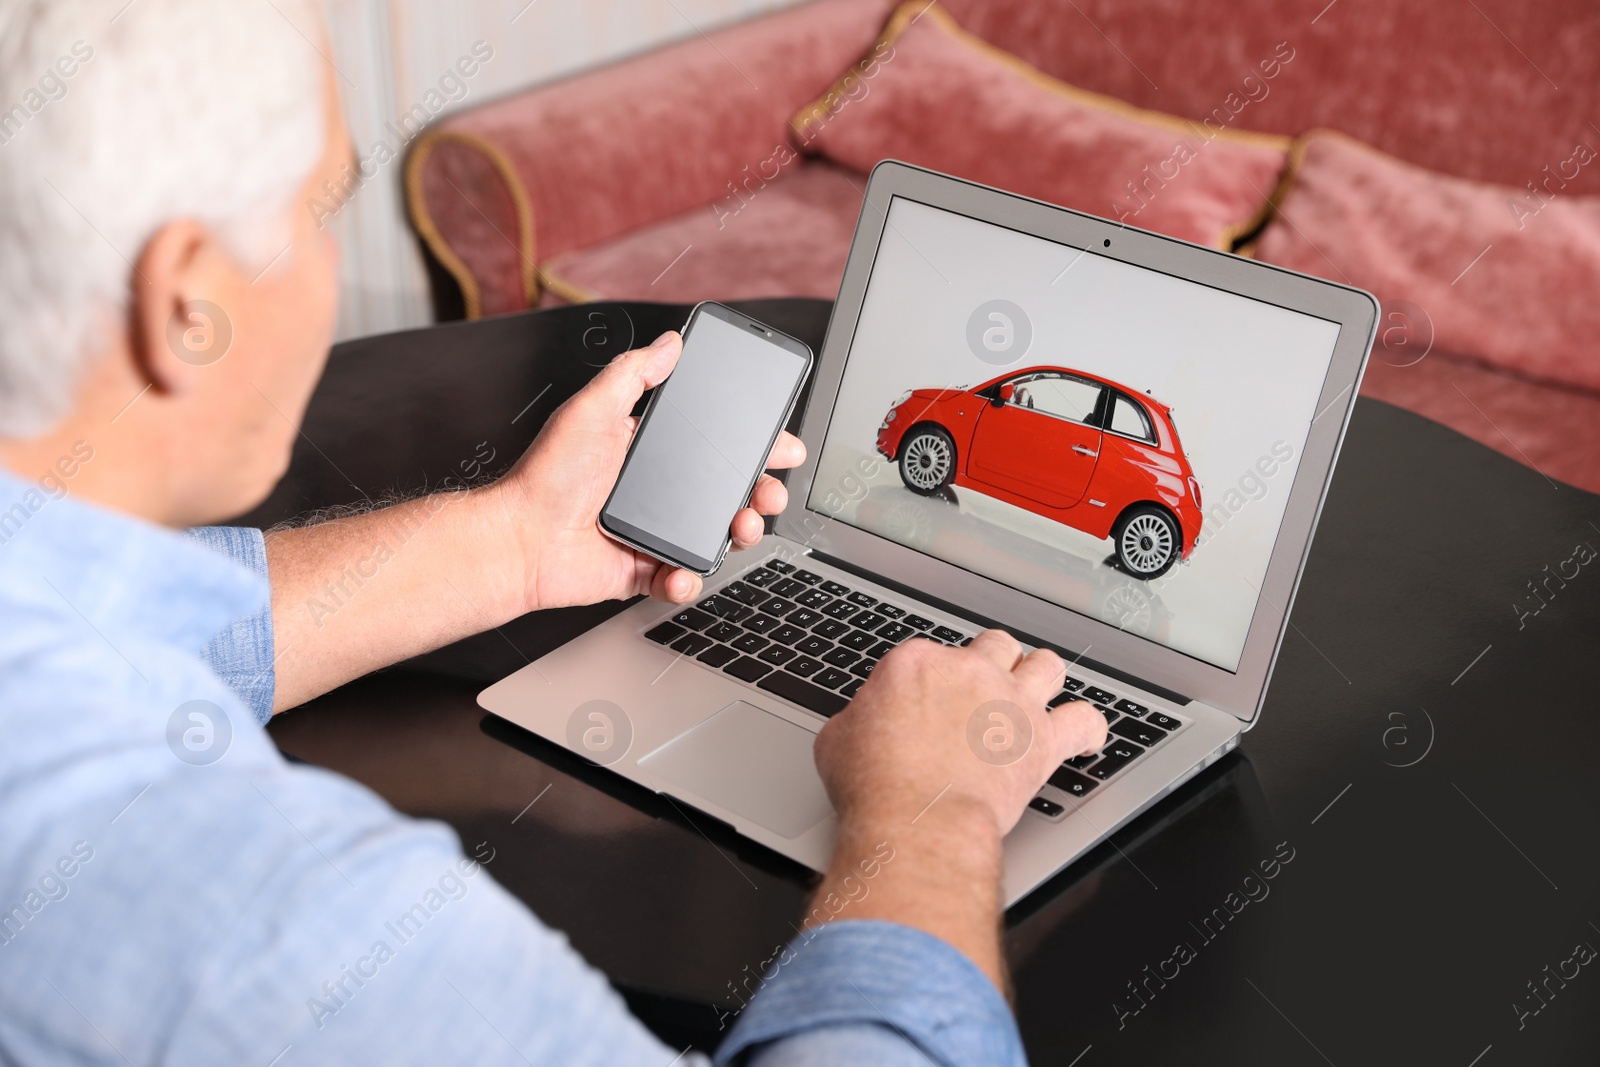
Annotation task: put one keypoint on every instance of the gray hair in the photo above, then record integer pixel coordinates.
(116, 118)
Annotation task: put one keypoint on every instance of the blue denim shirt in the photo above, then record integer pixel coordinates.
(172, 890)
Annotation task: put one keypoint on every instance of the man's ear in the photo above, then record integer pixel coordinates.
(172, 325)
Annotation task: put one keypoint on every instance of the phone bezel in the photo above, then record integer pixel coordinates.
(642, 540)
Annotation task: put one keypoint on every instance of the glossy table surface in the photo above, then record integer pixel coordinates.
(1422, 787)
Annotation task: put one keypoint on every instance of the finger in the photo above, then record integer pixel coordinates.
(747, 529)
(998, 647)
(618, 387)
(788, 451)
(770, 496)
(1040, 672)
(675, 586)
(1077, 729)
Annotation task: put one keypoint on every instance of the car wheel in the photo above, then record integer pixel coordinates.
(1147, 541)
(927, 460)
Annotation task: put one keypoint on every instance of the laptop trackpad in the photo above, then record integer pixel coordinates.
(750, 762)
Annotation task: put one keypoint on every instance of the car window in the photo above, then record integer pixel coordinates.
(1067, 398)
(1129, 418)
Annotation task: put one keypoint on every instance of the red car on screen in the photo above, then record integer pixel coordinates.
(1067, 445)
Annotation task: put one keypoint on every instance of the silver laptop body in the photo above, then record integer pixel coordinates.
(1269, 362)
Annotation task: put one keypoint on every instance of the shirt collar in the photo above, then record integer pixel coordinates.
(118, 572)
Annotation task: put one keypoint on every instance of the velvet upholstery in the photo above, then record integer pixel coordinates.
(498, 189)
(937, 97)
(787, 237)
(1491, 89)
(1489, 272)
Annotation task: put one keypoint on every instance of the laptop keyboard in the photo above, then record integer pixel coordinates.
(814, 642)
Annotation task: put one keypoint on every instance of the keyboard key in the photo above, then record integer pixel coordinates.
(1098, 695)
(804, 617)
(665, 633)
(804, 666)
(778, 654)
(803, 693)
(840, 609)
(807, 577)
(864, 668)
(761, 624)
(1080, 762)
(693, 618)
(787, 634)
(1072, 685)
(841, 657)
(692, 644)
(813, 598)
(869, 620)
(830, 678)
(723, 608)
(813, 646)
(835, 589)
(787, 587)
(750, 643)
(1046, 807)
(1128, 707)
(891, 611)
(918, 622)
(880, 650)
(862, 600)
(830, 628)
(1111, 716)
(1113, 758)
(947, 635)
(965, 641)
(1166, 722)
(780, 566)
(1064, 698)
(896, 632)
(859, 640)
(1071, 782)
(717, 655)
(1139, 732)
(853, 688)
(762, 577)
(778, 606)
(744, 594)
(747, 669)
(723, 631)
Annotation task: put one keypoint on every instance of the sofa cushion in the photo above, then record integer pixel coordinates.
(938, 97)
(785, 237)
(1491, 272)
(1492, 89)
(495, 190)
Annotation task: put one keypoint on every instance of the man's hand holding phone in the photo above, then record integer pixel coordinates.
(555, 492)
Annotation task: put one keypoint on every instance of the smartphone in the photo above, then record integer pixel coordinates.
(705, 437)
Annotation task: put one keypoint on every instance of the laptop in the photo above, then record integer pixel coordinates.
(1110, 443)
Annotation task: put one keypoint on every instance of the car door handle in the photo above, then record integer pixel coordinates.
(1080, 450)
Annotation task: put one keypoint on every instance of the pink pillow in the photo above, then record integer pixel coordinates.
(1507, 276)
(931, 94)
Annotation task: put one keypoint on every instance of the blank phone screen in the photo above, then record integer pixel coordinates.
(704, 440)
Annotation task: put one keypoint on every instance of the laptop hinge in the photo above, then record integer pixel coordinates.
(1027, 638)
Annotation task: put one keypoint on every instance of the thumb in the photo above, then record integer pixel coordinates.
(624, 380)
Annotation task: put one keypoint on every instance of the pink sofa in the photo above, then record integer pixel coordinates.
(675, 176)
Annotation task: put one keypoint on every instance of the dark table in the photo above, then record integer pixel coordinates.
(1426, 759)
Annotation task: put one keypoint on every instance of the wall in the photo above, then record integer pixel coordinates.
(391, 54)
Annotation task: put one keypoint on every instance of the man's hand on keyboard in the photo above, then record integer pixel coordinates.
(936, 759)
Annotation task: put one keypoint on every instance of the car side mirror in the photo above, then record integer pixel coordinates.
(1003, 395)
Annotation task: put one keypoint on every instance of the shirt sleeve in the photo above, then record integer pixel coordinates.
(864, 991)
(243, 655)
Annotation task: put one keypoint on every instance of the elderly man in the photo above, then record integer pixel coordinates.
(159, 157)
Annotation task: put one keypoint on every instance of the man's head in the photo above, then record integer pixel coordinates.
(156, 163)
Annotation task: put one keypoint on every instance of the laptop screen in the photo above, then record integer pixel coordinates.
(1114, 440)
